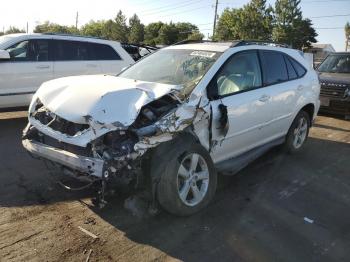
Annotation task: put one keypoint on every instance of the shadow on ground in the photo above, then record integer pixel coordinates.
(256, 215)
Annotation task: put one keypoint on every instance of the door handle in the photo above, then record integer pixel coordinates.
(91, 65)
(264, 98)
(300, 87)
(43, 67)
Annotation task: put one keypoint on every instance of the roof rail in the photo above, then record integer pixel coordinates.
(140, 45)
(73, 35)
(190, 41)
(236, 43)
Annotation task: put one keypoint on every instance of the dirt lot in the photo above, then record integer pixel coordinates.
(280, 208)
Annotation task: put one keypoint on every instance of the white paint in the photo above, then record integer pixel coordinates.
(109, 103)
(22, 78)
(106, 103)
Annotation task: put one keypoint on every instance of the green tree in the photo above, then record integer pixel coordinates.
(196, 35)
(136, 30)
(48, 27)
(93, 28)
(109, 30)
(185, 30)
(14, 30)
(120, 32)
(255, 21)
(152, 33)
(168, 34)
(347, 35)
(290, 27)
(252, 21)
(226, 28)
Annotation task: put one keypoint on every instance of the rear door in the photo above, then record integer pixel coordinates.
(242, 106)
(283, 81)
(107, 58)
(30, 65)
(74, 58)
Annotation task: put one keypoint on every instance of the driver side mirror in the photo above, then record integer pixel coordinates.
(4, 55)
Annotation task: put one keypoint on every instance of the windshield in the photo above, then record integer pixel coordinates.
(173, 66)
(338, 63)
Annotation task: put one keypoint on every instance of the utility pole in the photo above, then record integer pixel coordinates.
(27, 27)
(215, 15)
(76, 20)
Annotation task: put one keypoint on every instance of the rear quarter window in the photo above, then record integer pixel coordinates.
(292, 74)
(301, 71)
(104, 52)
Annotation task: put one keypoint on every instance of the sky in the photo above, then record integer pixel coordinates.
(199, 12)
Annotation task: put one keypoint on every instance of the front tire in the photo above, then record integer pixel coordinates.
(298, 133)
(188, 179)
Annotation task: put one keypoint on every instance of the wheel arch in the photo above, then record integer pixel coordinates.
(310, 110)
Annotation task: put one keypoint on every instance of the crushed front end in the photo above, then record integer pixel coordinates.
(95, 152)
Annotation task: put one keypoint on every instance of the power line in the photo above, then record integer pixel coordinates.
(187, 11)
(205, 24)
(325, 16)
(323, 1)
(172, 8)
(329, 28)
(165, 6)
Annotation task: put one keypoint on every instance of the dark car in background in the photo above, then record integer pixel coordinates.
(334, 75)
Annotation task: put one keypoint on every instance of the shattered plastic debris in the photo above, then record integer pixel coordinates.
(308, 220)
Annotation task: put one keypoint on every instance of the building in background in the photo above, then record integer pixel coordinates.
(320, 52)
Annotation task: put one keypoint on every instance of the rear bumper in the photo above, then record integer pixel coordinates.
(87, 165)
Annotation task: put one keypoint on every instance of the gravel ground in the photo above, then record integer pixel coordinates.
(279, 208)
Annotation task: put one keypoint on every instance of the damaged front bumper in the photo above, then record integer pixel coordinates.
(86, 165)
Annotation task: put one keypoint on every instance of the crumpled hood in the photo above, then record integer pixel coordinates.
(100, 98)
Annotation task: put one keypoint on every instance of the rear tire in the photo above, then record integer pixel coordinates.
(188, 178)
(298, 133)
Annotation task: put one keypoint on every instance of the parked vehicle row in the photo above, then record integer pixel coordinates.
(334, 73)
(175, 118)
(26, 61)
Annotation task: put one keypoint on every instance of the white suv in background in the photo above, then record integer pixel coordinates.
(28, 60)
(169, 122)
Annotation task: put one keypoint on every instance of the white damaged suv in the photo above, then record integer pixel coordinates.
(174, 119)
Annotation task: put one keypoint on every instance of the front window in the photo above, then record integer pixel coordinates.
(173, 66)
(30, 50)
(338, 63)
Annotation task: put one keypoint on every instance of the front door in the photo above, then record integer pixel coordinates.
(30, 65)
(241, 108)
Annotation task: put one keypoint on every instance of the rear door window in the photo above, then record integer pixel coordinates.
(71, 50)
(274, 67)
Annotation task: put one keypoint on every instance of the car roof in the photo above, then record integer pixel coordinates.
(57, 36)
(205, 46)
